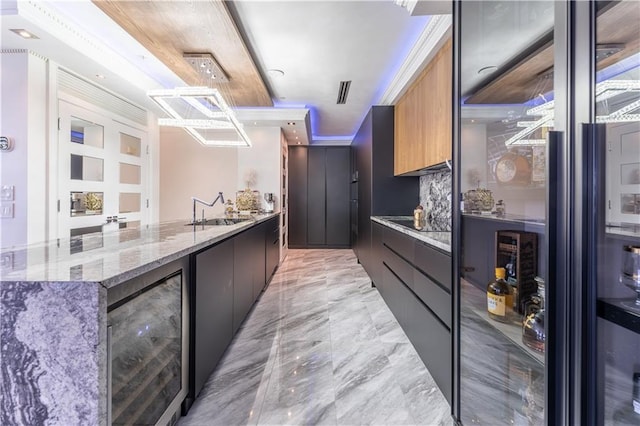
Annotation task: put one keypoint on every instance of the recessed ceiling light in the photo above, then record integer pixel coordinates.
(487, 70)
(255, 123)
(24, 33)
(297, 137)
(100, 76)
(299, 142)
(275, 73)
(291, 123)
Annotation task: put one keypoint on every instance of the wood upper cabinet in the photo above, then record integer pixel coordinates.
(423, 117)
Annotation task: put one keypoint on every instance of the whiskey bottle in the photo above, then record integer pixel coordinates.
(500, 298)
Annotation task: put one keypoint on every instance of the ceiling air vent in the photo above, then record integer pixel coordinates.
(343, 91)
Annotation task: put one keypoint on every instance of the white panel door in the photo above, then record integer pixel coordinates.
(102, 173)
(623, 173)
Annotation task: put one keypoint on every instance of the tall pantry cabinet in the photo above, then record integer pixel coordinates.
(319, 178)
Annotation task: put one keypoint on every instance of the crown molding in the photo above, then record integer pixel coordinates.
(424, 49)
(67, 32)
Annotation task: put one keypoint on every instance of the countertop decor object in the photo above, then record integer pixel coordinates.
(478, 200)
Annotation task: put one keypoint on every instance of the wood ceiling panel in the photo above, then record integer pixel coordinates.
(170, 28)
(523, 80)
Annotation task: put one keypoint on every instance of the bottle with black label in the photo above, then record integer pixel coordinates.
(500, 298)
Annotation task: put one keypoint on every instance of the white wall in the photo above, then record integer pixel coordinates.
(187, 168)
(473, 153)
(263, 158)
(23, 117)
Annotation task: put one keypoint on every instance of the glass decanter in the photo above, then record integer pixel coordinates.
(533, 333)
(630, 275)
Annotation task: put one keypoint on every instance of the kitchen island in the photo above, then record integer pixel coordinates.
(53, 317)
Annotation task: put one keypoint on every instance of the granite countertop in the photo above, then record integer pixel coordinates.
(111, 258)
(404, 224)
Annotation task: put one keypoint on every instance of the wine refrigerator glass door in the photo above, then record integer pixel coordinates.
(505, 133)
(616, 151)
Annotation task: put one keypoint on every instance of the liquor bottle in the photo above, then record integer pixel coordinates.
(629, 414)
(533, 334)
(500, 298)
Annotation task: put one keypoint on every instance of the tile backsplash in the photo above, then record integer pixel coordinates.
(435, 197)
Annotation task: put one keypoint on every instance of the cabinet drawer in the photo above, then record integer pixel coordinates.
(431, 340)
(398, 242)
(434, 263)
(398, 265)
(432, 295)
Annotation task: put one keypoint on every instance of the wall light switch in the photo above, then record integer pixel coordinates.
(6, 192)
(6, 211)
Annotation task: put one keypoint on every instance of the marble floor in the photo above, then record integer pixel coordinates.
(320, 347)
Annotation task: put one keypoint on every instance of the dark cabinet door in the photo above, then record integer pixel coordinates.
(316, 197)
(243, 277)
(257, 266)
(273, 247)
(338, 178)
(376, 256)
(213, 304)
(298, 196)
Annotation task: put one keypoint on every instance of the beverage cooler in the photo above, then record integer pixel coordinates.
(546, 235)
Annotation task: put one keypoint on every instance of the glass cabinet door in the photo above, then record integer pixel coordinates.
(616, 91)
(506, 114)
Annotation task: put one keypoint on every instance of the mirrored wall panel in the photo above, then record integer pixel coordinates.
(87, 168)
(130, 145)
(129, 202)
(86, 133)
(129, 174)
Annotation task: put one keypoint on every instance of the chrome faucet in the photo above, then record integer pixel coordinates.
(198, 200)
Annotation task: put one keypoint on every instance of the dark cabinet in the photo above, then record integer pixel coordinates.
(380, 193)
(414, 280)
(316, 197)
(243, 277)
(297, 197)
(272, 242)
(213, 305)
(377, 231)
(319, 196)
(338, 180)
(257, 262)
(226, 280)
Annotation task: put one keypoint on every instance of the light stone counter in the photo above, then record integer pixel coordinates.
(438, 239)
(53, 304)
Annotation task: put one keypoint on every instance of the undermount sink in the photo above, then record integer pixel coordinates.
(220, 221)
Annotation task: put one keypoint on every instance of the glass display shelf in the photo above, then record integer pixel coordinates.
(508, 218)
(620, 312)
(625, 230)
(476, 300)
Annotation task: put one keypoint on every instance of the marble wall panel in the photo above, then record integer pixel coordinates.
(435, 197)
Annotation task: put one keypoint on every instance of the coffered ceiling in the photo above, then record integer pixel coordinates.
(285, 59)
(169, 29)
